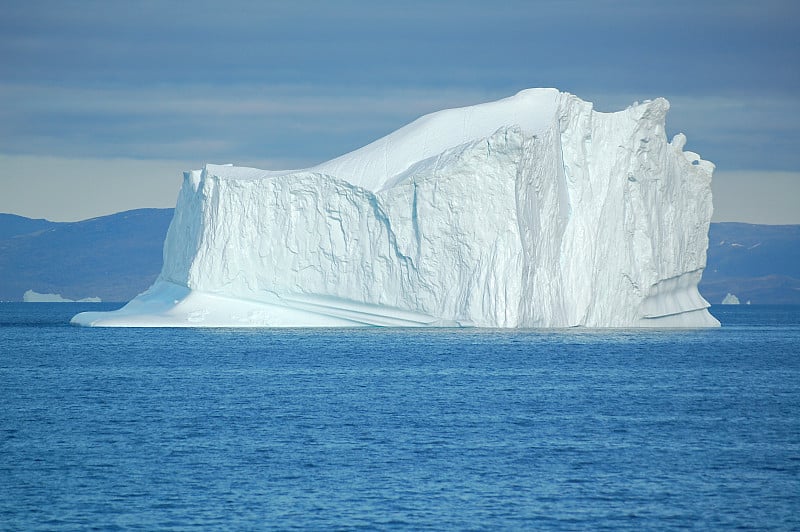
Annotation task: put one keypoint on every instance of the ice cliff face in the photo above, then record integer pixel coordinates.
(533, 211)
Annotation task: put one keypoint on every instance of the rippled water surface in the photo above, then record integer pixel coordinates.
(416, 429)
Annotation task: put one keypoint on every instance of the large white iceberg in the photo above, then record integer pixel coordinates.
(531, 211)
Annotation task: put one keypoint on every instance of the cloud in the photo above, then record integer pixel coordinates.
(201, 122)
(748, 132)
(693, 46)
(293, 84)
(756, 197)
(305, 124)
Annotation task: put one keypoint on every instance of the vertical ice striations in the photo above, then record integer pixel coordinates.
(533, 211)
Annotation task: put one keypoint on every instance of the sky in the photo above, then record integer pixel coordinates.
(103, 104)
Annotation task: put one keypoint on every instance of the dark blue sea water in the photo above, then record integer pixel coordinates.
(413, 429)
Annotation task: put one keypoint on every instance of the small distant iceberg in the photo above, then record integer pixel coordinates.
(35, 297)
(731, 299)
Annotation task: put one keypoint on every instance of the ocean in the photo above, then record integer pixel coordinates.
(399, 428)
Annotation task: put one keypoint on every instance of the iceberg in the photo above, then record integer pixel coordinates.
(31, 296)
(531, 211)
(730, 299)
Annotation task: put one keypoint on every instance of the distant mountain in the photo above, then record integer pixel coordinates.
(111, 257)
(118, 256)
(756, 263)
(12, 225)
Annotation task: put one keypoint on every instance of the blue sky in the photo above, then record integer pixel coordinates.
(104, 103)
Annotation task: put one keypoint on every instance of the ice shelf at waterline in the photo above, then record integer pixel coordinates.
(531, 211)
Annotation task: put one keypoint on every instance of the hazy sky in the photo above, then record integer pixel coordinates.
(103, 104)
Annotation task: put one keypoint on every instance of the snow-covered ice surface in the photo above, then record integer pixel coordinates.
(532, 211)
